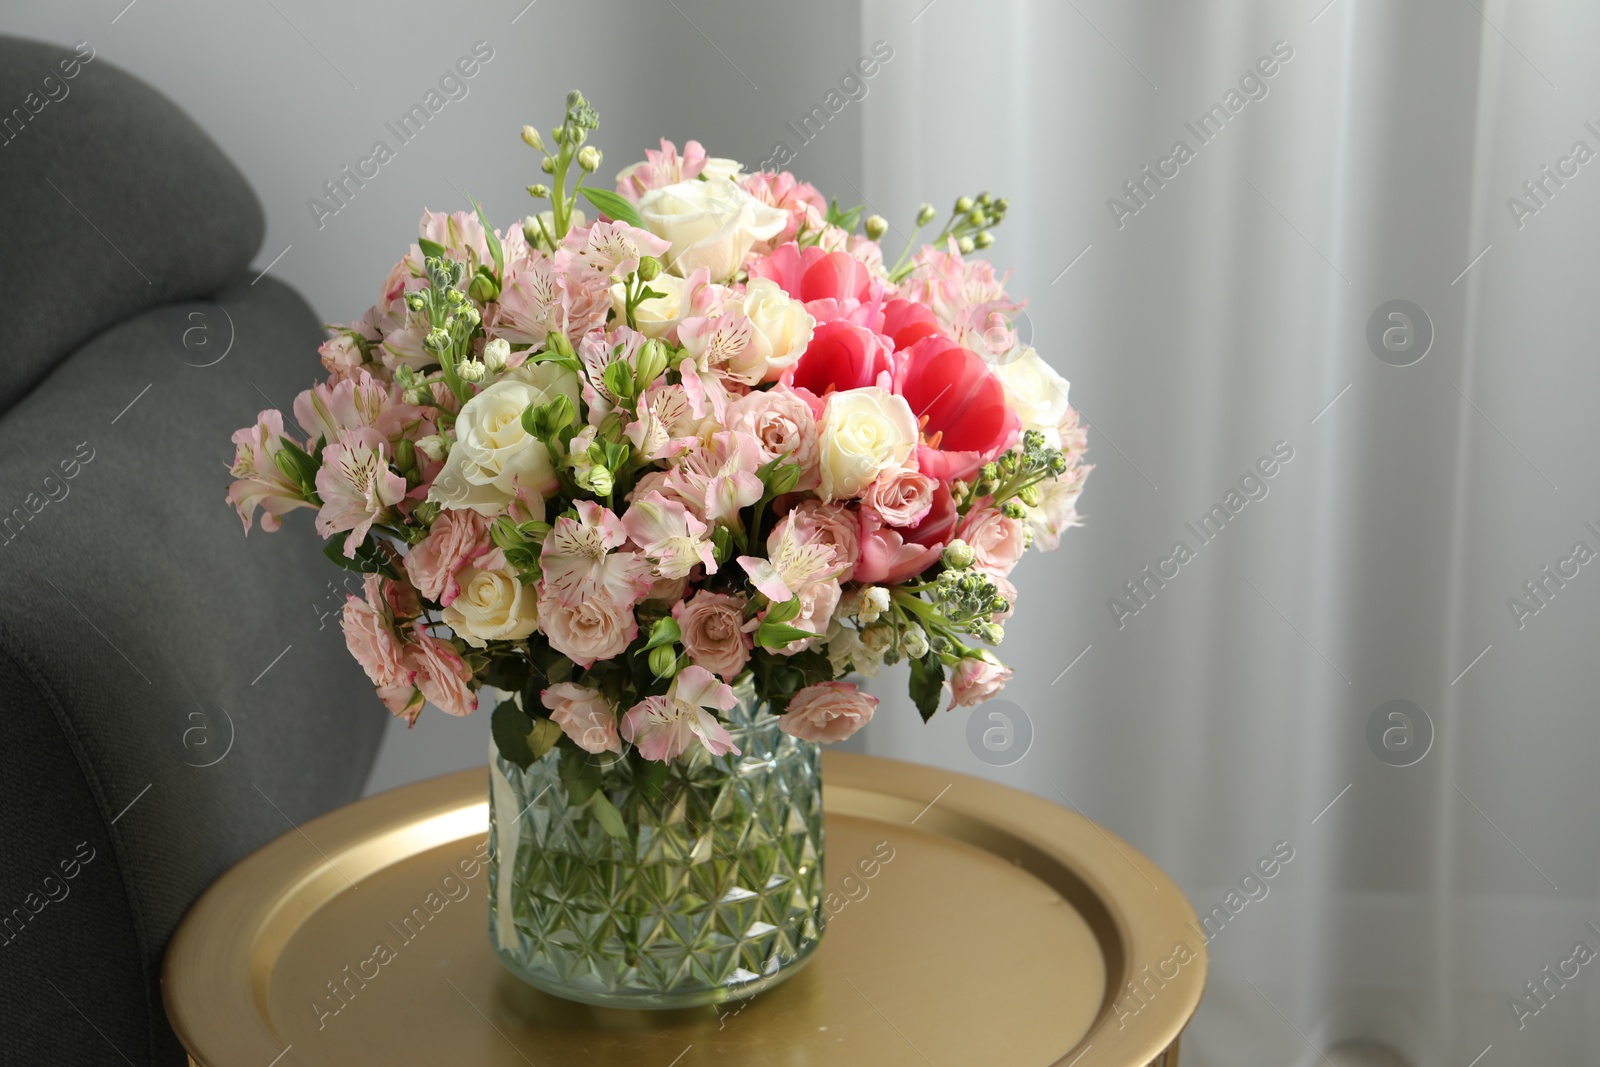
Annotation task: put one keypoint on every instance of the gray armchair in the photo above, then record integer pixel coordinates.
(172, 693)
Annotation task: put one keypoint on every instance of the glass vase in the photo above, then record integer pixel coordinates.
(709, 888)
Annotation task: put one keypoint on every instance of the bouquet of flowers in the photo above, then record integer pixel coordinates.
(610, 467)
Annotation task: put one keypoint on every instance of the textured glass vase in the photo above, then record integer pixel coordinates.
(711, 891)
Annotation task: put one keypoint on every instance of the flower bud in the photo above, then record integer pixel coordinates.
(436, 341)
(983, 240)
(589, 158)
(664, 661)
(495, 354)
(963, 205)
(539, 190)
(1029, 495)
(926, 214)
(557, 342)
(470, 370)
(958, 555)
(415, 301)
(405, 455)
(649, 268)
(977, 217)
(1012, 510)
(965, 245)
(471, 314)
(876, 227)
(1002, 205)
(651, 362)
(531, 138)
(433, 446)
(914, 641)
(547, 164)
(560, 134)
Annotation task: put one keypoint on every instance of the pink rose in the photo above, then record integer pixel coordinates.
(975, 680)
(371, 639)
(713, 632)
(998, 541)
(816, 523)
(584, 715)
(902, 496)
(960, 403)
(843, 356)
(457, 538)
(594, 628)
(441, 674)
(781, 422)
(827, 712)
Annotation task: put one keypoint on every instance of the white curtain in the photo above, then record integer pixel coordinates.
(1224, 314)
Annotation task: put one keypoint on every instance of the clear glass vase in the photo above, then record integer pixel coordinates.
(710, 889)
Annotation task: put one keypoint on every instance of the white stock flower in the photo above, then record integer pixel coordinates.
(711, 224)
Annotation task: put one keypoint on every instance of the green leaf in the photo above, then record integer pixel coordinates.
(779, 634)
(783, 612)
(430, 248)
(619, 379)
(510, 727)
(664, 632)
(543, 737)
(607, 815)
(927, 683)
(845, 220)
(367, 559)
(580, 774)
(614, 206)
(493, 241)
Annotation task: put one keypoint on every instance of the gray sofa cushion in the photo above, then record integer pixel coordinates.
(114, 202)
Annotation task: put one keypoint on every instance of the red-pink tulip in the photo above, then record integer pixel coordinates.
(960, 404)
(906, 322)
(842, 356)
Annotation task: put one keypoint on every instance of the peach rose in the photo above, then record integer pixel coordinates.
(713, 632)
(371, 640)
(782, 423)
(827, 712)
(584, 715)
(977, 679)
(455, 539)
(998, 541)
(440, 673)
(594, 628)
(902, 496)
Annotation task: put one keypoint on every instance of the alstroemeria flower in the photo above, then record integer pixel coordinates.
(665, 727)
(718, 477)
(960, 405)
(260, 483)
(327, 409)
(356, 486)
(614, 248)
(793, 563)
(579, 559)
(667, 533)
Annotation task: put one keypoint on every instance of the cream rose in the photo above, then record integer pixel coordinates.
(597, 627)
(656, 316)
(711, 224)
(864, 433)
(493, 454)
(1035, 391)
(584, 715)
(782, 326)
(492, 606)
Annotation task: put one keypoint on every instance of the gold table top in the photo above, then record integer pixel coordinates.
(993, 928)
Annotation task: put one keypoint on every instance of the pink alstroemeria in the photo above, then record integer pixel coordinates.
(356, 486)
(661, 168)
(792, 564)
(579, 559)
(719, 476)
(328, 409)
(260, 483)
(614, 248)
(664, 727)
(666, 532)
(562, 295)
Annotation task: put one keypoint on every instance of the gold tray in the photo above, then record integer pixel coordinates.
(1001, 929)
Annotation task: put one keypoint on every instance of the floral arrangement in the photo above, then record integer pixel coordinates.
(612, 467)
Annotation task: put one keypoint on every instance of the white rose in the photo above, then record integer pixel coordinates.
(492, 606)
(656, 316)
(717, 167)
(783, 327)
(1035, 391)
(711, 224)
(493, 454)
(864, 433)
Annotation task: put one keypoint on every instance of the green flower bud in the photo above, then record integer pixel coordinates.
(926, 214)
(963, 205)
(965, 245)
(483, 288)
(649, 268)
(958, 555)
(983, 240)
(589, 158)
(557, 342)
(1011, 509)
(539, 190)
(436, 341)
(547, 164)
(651, 363)
(426, 512)
(415, 301)
(454, 297)
(599, 481)
(405, 455)
(664, 661)
(1002, 205)
(472, 315)
(1029, 495)
(876, 227)
(531, 138)
(560, 134)
(976, 217)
